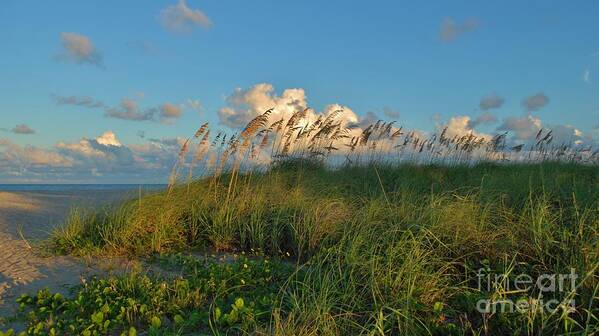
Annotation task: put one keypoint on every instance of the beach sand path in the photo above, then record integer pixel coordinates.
(28, 217)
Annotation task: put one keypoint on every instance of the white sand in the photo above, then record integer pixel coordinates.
(33, 215)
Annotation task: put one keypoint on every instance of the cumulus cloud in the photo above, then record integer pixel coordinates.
(535, 102)
(491, 102)
(245, 104)
(108, 154)
(525, 129)
(450, 30)
(79, 49)
(108, 138)
(520, 129)
(181, 18)
(347, 116)
(103, 158)
(462, 125)
(22, 129)
(16, 159)
(90, 148)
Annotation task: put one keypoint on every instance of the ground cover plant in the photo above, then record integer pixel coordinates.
(371, 245)
(207, 297)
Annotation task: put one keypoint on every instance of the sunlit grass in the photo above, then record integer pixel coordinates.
(381, 248)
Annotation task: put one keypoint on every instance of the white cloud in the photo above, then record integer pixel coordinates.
(107, 156)
(91, 148)
(103, 158)
(82, 148)
(17, 158)
(108, 138)
(79, 49)
(181, 18)
(462, 125)
(244, 105)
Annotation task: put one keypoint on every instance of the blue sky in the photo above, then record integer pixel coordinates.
(429, 62)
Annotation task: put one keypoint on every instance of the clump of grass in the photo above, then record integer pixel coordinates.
(382, 249)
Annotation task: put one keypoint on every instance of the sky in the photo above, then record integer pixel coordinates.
(105, 91)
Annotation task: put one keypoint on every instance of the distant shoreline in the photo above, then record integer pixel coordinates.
(15, 187)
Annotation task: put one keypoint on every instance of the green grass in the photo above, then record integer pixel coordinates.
(377, 249)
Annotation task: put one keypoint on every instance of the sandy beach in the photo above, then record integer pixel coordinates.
(28, 217)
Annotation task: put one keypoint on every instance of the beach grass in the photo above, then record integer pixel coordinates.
(382, 249)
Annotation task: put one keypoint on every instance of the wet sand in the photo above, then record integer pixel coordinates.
(27, 218)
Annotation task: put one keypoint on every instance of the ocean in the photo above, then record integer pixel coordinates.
(80, 187)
